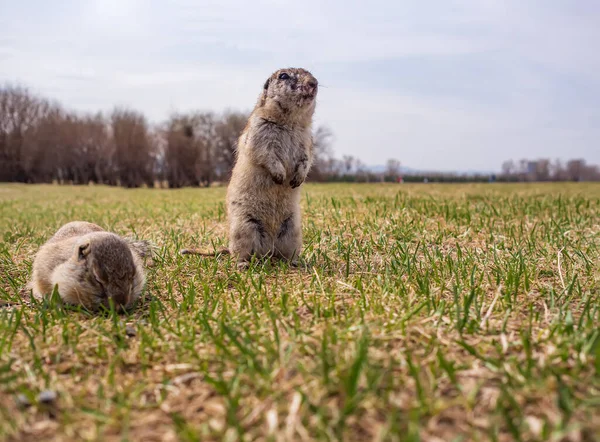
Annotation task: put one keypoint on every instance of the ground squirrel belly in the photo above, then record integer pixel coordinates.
(90, 266)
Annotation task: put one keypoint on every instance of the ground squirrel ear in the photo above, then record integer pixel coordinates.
(263, 96)
(84, 250)
(99, 274)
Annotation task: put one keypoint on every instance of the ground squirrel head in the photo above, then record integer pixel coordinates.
(101, 268)
(290, 92)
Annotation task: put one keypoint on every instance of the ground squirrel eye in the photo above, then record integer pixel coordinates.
(284, 76)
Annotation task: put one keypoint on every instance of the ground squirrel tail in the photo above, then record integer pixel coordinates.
(202, 253)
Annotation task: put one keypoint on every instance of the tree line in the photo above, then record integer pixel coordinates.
(42, 142)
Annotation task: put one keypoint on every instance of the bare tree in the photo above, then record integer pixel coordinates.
(40, 148)
(205, 136)
(575, 170)
(348, 161)
(361, 171)
(392, 169)
(323, 154)
(191, 150)
(181, 153)
(19, 112)
(542, 170)
(591, 173)
(558, 172)
(227, 130)
(133, 156)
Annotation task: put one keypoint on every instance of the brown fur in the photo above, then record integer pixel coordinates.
(274, 156)
(89, 266)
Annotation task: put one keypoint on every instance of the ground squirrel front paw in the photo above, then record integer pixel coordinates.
(297, 180)
(278, 177)
(277, 172)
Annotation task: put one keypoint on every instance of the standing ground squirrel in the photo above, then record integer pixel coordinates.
(274, 156)
(90, 266)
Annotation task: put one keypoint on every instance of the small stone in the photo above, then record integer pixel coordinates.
(47, 397)
(130, 331)
(23, 402)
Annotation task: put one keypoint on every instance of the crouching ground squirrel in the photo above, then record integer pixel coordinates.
(90, 267)
(274, 156)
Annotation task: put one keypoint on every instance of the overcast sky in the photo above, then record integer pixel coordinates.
(446, 85)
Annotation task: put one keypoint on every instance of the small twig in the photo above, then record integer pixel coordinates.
(562, 281)
(491, 307)
(272, 421)
(290, 421)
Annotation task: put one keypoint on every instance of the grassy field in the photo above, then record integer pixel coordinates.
(420, 312)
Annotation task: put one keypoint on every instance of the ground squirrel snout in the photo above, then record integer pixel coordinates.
(90, 266)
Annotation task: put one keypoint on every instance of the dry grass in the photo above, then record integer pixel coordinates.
(421, 312)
